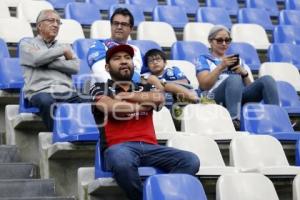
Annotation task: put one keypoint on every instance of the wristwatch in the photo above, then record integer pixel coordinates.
(163, 81)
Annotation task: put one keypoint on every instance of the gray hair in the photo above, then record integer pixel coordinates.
(43, 15)
(214, 30)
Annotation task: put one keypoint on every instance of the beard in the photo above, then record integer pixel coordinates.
(120, 75)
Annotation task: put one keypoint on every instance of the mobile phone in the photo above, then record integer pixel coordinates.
(236, 63)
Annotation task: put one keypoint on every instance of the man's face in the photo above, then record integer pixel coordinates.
(120, 67)
(49, 26)
(120, 28)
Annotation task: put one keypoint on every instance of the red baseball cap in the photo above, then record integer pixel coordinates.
(118, 48)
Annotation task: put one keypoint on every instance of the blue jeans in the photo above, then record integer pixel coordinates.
(232, 93)
(125, 158)
(44, 101)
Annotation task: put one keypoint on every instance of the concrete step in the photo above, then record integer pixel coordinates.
(8, 154)
(18, 171)
(27, 188)
(39, 198)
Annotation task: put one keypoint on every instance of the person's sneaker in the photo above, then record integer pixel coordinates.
(236, 124)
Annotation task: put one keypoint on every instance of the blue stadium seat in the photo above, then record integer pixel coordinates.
(81, 47)
(78, 11)
(24, 105)
(74, 123)
(292, 4)
(134, 9)
(255, 16)
(101, 171)
(298, 153)
(84, 75)
(60, 4)
(173, 15)
(288, 98)
(4, 53)
(265, 119)
(144, 45)
(11, 74)
(269, 5)
(214, 15)
(289, 17)
(103, 4)
(287, 34)
(285, 53)
(231, 6)
(173, 187)
(247, 52)
(188, 50)
(190, 6)
(146, 6)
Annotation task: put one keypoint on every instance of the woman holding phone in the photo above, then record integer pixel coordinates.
(226, 79)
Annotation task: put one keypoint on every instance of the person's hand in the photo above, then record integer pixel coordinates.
(228, 61)
(68, 54)
(239, 70)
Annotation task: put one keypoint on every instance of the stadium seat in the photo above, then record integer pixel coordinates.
(289, 17)
(288, 98)
(103, 4)
(253, 34)
(165, 37)
(146, 6)
(4, 10)
(81, 47)
(281, 71)
(287, 34)
(269, 5)
(188, 50)
(296, 188)
(11, 74)
(255, 16)
(78, 11)
(202, 119)
(100, 29)
(74, 123)
(246, 186)
(134, 9)
(144, 45)
(172, 187)
(102, 172)
(206, 149)
(285, 53)
(60, 4)
(260, 153)
(292, 5)
(188, 69)
(24, 105)
(82, 77)
(29, 10)
(247, 52)
(196, 31)
(4, 53)
(12, 30)
(190, 6)
(231, 6)
(69, 31)
(173, 15)
(266, 119)
(214, 15)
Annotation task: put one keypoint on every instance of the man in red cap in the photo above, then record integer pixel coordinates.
(123, 111)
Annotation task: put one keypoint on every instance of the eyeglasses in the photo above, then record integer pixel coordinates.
(52, 21)
(122, 24)
(157, 59)
(221, 40)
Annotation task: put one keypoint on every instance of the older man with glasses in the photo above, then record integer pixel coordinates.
(121, 26)
(48, 67)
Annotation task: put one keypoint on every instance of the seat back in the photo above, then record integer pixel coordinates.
(287, 34)
(188, 50)
(296, 188)
(246, 186)
(146, 6)
(288, 96)
(292, 5)
(214, 15)
(255, 16)
(60, 4)
(256, 151)
(100, 29)
(204, 147)
(202, 119)
(253, 34)
(165, 37)
(4, 10)
(78, 11)
(81, 47)
(190, 6)
(173, 186)
(103, 4)
(29, 10)
(163, 121)
(4, 53)
(269, 5)
(281, 71)
(74, 123)
(144, 45)
(231, 6)
(11, 74)
(24, 105)
(197, 31)
(134, 9)
(289, 17)
(69, 31)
